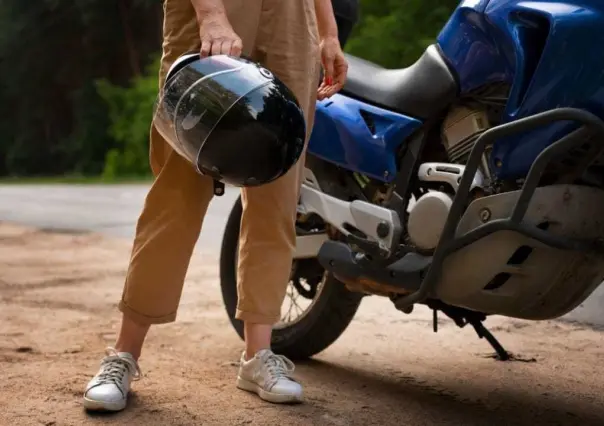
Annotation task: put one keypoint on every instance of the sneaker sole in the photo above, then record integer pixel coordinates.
(276, 398)
(92, 405)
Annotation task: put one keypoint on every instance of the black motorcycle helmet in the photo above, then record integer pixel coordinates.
(231, 119)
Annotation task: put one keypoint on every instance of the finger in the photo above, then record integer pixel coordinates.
(325, 90)
(328, 68)
(216, 47)
(322, 89)
(332, 90)
(342, 75)
(323, 93)
(339, 80)
(340, 70)
(237, 48)
(329, 92)
(335, 88)
(206, 46)
(225, 47)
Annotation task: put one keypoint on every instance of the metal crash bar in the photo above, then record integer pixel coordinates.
(449, 244)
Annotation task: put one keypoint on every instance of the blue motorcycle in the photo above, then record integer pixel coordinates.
(470, 182)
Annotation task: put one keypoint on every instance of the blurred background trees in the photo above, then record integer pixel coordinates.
(79, 77)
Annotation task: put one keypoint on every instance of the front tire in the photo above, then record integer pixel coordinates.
(327, 318)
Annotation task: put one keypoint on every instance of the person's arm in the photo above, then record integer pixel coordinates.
(208, 7)
(347, 16)
(335, 66)
(326, 19)
(216, 33)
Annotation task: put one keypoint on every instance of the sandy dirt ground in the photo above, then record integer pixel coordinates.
(57, 313)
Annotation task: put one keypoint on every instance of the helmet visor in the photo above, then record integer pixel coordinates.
(195, 98)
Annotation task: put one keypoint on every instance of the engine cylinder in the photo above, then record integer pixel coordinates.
(461, 128)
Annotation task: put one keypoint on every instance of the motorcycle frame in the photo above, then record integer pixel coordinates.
(589, 125)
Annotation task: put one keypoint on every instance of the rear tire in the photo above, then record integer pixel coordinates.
(327, 318)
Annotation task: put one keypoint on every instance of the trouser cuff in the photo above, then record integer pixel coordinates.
(139, 318)
(255, 318)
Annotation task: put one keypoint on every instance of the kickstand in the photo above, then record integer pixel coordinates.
(481, 330)
(463, 317)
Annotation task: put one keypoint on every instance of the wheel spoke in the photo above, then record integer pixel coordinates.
(294, 302)
(301, 294)
(289, 293)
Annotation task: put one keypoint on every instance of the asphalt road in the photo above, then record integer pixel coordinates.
(108, 209)
(113, 210)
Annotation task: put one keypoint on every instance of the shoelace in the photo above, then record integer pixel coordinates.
(278, 367)
(114, 367)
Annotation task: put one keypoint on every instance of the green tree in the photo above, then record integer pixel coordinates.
(53, 120)
(394, 33)
(57, 119)
(130, 116)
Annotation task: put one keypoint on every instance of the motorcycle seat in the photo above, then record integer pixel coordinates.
(421, 90)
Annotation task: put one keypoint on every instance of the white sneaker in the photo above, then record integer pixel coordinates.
(269, 376)
(108, 390)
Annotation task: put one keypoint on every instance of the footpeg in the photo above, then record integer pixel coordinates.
(403, 276)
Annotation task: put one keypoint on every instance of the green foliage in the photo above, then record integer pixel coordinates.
(83, 150)
(53, 120)
(394, 33)
(75, 102)
(130, 115)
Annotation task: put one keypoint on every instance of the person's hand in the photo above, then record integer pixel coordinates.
(335, 68)
(218, 37)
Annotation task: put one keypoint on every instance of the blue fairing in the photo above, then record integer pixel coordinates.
(549, 52)
(467, 42)
(342, 136)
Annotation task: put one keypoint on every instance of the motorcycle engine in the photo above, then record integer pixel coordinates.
(428, 214)
(461, 129)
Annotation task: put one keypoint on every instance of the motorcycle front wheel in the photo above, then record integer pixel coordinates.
(329, 305)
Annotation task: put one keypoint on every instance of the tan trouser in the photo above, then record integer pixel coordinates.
(282, 35)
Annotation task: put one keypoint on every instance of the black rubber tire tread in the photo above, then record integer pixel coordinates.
(322, 326)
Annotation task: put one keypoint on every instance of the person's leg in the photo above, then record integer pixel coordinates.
(288, 45)
(166, 233)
